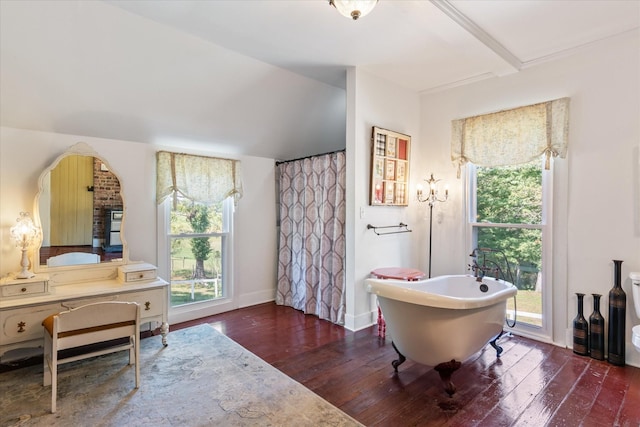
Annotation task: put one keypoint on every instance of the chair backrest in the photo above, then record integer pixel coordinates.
(73, 258)
(103, 326)
(99, 315)
(93, 323)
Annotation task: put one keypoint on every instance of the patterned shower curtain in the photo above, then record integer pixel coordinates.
(312, 243)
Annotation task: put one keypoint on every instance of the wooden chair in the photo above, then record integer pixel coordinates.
(73, 258)
(90, 324)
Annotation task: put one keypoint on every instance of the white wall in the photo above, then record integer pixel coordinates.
(24, 154)
(602, 192)
(375, 102)
(256, 234)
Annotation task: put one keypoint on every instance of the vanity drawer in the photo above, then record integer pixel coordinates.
(24, 289)
(151, 302)
(10, 287)
(137, 272)
(25, 323)
(136, 276)
(70, 304)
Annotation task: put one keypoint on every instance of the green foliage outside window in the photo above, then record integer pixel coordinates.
(196, 262)
(512, 195)
(198, 217)
(180, 222)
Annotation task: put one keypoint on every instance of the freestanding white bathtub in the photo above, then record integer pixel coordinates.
(444, 320)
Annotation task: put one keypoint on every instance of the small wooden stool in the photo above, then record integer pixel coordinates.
(398, 273)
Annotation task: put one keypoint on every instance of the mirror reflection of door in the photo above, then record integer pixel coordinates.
(72, 202)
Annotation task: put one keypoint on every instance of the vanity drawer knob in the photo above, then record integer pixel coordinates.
(23, 290)
(141, 275)
(147, 306)
(21, 326)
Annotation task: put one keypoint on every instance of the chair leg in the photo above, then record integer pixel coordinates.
(46, 362)
(47, 370)
(53, 357)
(54, 385)
(136, 342)
(132, 354)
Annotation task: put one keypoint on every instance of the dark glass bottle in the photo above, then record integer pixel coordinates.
(580, 330)
(617, 317)
(596, 330)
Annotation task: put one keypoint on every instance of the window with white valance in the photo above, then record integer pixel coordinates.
(206, 180)
(512, 137)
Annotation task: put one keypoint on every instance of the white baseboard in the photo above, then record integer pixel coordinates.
(361, 321)
(255, 298)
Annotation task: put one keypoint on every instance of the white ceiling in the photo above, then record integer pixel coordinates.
(419, 44)
(197, 72)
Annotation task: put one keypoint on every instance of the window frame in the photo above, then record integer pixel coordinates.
(198, 309)
(545, 332)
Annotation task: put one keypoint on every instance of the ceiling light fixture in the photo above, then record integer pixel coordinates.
(353, 9)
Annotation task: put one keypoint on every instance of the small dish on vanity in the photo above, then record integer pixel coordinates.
(11, 287)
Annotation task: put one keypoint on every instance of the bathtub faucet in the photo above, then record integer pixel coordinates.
(477, 270)
(487, 266)
(475, 267)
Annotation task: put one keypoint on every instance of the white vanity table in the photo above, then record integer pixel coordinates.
(22, 313)
(25, 303)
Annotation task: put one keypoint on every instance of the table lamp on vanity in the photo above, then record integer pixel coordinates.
(25, 233)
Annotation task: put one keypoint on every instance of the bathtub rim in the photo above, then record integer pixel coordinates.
(398, 290)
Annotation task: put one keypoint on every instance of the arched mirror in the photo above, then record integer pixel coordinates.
(80, 210)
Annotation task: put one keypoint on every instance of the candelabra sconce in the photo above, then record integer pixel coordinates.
(431, 197)
(25, 234)
(432, 194)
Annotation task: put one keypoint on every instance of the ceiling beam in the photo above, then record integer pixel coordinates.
(480, 34)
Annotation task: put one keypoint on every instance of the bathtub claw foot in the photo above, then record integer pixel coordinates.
(401, 359)
(494, 344)
(445, 370)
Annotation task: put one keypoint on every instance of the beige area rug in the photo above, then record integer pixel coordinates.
(202, 378)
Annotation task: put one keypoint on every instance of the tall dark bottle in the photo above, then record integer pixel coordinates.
(580, 330)
(596, 330)
(617, 317)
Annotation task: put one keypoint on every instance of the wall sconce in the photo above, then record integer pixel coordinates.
(431, 197)
(25, 233)
(353, 9)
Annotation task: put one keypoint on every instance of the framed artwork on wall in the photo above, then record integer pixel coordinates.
(390, 156)
(401, 171)
(390, 170)
(389, 193)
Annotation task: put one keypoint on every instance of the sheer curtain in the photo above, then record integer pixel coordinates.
(311, 255)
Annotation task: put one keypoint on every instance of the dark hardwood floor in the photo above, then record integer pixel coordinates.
(531, 384)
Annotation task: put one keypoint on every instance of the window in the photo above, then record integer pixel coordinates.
(196, 196)
(197, 255)
(509, 214)
(510, 199)
(197, 238)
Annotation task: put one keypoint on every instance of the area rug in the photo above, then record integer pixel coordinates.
(202, 378)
